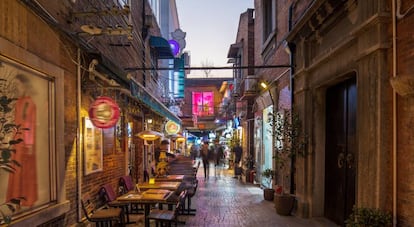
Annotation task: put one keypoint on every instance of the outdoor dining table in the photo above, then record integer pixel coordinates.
(168, 185)
(147, 198)
(170, 178)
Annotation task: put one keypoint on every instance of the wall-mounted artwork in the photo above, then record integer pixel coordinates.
(92, 148)
(27, 99)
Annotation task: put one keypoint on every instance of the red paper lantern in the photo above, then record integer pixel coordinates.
(104, 112)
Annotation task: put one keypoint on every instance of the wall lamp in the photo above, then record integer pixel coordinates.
(265, 86)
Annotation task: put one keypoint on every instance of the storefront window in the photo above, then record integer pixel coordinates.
(203, 103)
(267, 141)
(28, 153)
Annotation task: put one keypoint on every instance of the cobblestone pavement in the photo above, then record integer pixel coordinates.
(224, 201)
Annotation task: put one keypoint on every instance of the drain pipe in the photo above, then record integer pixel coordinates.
(78, 134)
(394, 114)
(291, 49)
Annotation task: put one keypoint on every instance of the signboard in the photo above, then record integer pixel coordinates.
(104, 112)
(172, 128)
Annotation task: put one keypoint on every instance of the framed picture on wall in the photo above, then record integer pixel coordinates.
(27, 109)
(92, 148)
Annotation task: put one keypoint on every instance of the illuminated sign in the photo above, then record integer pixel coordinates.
(172, 128)
(104, 112)
(175, 46)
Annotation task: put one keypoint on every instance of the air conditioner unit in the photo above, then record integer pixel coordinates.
(250, 84)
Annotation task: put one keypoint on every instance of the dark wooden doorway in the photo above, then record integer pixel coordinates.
(340, 148)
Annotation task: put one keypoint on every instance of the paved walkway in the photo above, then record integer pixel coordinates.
(224, 201)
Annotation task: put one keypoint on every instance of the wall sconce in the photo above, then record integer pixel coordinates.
(149, 120)
(265, 86)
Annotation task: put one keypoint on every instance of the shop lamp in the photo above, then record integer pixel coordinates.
(175, 137)
(180, 139)
(149, 135)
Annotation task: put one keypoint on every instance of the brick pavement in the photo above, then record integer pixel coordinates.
(224, 201)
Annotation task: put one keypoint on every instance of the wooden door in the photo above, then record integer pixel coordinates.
(340, 172)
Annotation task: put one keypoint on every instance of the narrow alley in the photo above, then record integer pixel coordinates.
(224, 201)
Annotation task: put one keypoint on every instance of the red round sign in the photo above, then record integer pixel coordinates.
(104, 112)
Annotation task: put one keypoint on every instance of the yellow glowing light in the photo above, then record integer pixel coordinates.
(149, 135)
(263, 85)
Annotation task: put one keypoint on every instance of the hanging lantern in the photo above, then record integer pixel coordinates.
(104, 112)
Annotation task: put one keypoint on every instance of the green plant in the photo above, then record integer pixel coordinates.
(361, 217)
(268, 174)
(8, 130)
(248, 162)
(289, 142)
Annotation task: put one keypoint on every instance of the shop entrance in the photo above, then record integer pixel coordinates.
(341, 104)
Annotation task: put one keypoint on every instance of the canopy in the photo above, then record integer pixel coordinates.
(162, 46)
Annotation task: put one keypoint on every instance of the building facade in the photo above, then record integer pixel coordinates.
(347, 63)
(241, 54)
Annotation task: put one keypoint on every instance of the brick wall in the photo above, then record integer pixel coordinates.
(20, 26)
(405, 124)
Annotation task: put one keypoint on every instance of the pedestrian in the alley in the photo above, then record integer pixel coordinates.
(204, 157)
(194, 151)
(238, 154)
(219, 157)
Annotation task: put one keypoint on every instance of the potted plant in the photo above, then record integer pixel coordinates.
(268, 192)
(289, 142)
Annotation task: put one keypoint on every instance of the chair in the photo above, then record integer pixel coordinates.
(126, 184)
(108, 194)
(102, 217)
(191, 191)
(168, 216)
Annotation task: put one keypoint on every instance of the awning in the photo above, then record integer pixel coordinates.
(234, 50)
(141, 93)
(162, 46)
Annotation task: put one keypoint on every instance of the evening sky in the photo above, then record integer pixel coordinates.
(211, 27)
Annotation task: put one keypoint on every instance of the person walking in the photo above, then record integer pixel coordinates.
(238, 153)
(219, 157)
(204, 157)
(194, 151)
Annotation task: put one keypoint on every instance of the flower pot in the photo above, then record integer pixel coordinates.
(269, 194)
(284, 204)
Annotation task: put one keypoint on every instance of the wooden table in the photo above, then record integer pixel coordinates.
(171, 178)
(168, 185)
(149, 198)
